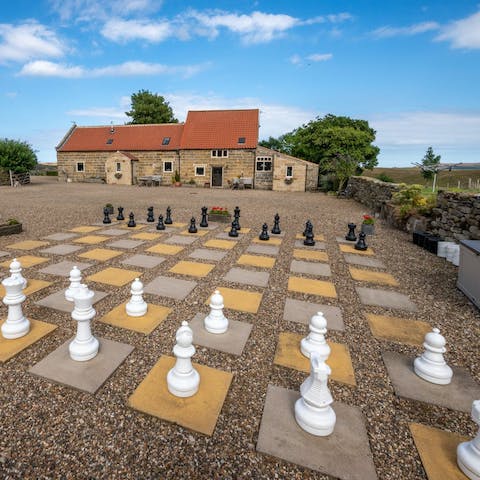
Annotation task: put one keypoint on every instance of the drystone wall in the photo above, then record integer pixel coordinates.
(370, 192)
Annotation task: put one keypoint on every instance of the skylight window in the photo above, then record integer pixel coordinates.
(241, 139)
(166, 140)
(109, 141)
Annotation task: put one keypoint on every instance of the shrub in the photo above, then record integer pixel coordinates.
(12, 221)
(411, 201)
(385, 178)
(51, 173)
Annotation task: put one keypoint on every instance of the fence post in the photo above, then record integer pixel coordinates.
(11, 179)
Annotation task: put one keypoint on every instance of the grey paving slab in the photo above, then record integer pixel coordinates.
(63, 268)
(87, 376)
(113, 232)
(4, 254)
(311, 268)
(181, 239)
(263, 249)
(301, 312)
(458, 395)
(232, 341)
(247, 277)
(60, 237)
(363, 260)
(344, 454)
(144, 261)
(211, 226)
(224, 236)
(342, 240)
(127, 244)
(317, 246)
(57, 301)
(208, 254)
(385, 298)
(64, 249)
(170, 287)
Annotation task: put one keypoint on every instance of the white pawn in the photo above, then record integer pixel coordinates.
(16, 325)
(75, 281)
(16, 271)
(312, 410)
(84, 346)
(215, 321)
(431, 365)
(136, 306)
(468, 453)
(315, 340)
(183, 380)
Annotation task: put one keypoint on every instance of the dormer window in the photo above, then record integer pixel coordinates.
(241, 139)
(166, 140)
(109, 141)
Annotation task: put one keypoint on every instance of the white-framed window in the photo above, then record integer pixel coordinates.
(167, 166)
(200, 170)
(118, 167)
(219, 153)
(80, 166)
(289, 172)
(264, 164)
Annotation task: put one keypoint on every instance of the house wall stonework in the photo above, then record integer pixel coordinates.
(124, 175)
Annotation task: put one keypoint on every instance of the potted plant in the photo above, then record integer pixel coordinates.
(118, 175)
(219, 214)
(176, 179)
(368, 225)
(11, 226)
(110, 208)
(288, 180)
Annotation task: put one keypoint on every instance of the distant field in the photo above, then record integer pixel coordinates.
(446, 179)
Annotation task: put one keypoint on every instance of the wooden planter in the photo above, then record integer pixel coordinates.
(212, 217)
(10, 229)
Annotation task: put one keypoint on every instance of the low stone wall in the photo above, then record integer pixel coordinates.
(370, 192)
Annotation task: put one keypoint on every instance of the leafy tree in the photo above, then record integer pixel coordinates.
(429, 160)
(274, 143)
(17, 156)
(148, 107)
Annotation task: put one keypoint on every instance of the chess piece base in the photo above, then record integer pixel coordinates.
(136, 309)
(317, 421)
(215, 325)
(438, 374)
(468, 460)
(14, 330)
(183, 385)
(83, 351)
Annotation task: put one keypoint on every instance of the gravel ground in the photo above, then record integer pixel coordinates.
(50, 431)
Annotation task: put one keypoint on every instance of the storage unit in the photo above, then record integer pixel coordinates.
(469, 271)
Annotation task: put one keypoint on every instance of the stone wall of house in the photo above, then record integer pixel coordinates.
(264, 179)
(300, 168)
(370, 192)
(311, 184)
(122, 176)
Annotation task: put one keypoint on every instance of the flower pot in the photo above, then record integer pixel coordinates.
(214, 217)
(110, 210)
(10, 229)
(368, 229)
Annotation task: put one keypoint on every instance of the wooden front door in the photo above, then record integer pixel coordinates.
(217, 176)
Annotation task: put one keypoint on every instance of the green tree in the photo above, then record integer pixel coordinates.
(148, 107)
(429, 160)
(17, 156)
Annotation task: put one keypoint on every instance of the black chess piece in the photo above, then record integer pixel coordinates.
(150, 217)
(307, 226)
(168, 218)
(309, 241)
(160, 224)
(351, 237)
(131, 222)
(264, 235)
(236, 216)
(204, 222)
(361, 244)
(276, 225)
(106, 217)
(233, 232)
(192, 228)
(120, 214)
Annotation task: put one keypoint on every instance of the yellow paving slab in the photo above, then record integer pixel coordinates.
(177, 225)
(242, 300)
(165, 249)
(199, 412)
(26, 261)
(114, 276)
(351, 249)
(320, 237)
(313, 287)
(194, 269)
(200, 233)
(222, 244)
(139, 226)
(146, 236)
(288, 354)
(256, 261)
(10, 348)
(243, 230)
(27, 245)
(146, 324)
(271, 241)
(438, 452)
(101, 254)
(395, 329)
(303, 254)
(84, 229)
(33, 286)
(91, 239)
(373, 277)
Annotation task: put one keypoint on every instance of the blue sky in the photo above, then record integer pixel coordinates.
(411, 68)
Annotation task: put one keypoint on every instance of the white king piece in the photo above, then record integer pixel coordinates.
(215, 321)
(16, 325)
(468, 453)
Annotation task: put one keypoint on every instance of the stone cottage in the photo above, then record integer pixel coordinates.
(214, 148)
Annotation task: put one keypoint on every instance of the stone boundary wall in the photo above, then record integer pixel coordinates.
(4, 177)
(370, 192)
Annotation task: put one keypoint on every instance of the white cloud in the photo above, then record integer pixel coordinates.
(415, 29)
(464, 33)
(106, 113)
(44, 68)
(295, 59)
(29, 40)
(122, 31)
(320, 57)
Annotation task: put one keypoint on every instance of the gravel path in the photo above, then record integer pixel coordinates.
(50, 431)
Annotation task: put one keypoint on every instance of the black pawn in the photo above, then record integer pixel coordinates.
(160, 224)
(120, 214)
(192, 228)
(309, 241)
(204, 222)
(168, 218)
(307, 226)
(106, 217)
(361, 244)
(264, 235)
(150, 217)
(233, 232)
(131, 222)
(351, 237)
(236, 216)
(276, 225)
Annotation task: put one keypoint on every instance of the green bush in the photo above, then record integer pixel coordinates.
(385, 178)
(51, 173)
(411, 200)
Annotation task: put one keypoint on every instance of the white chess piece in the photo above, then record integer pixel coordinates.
(75, 281)
(431, 365)
(183, 380)
(16, 271)
(468, 453)
(84, 346)
(215, 321)
(315, 340)
(16, 325)
(136, 306)
(312, 410)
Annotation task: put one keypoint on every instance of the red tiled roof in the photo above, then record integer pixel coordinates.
(220, 129)
(125, 137)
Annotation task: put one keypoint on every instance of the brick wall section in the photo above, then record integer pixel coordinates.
(370, 192)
